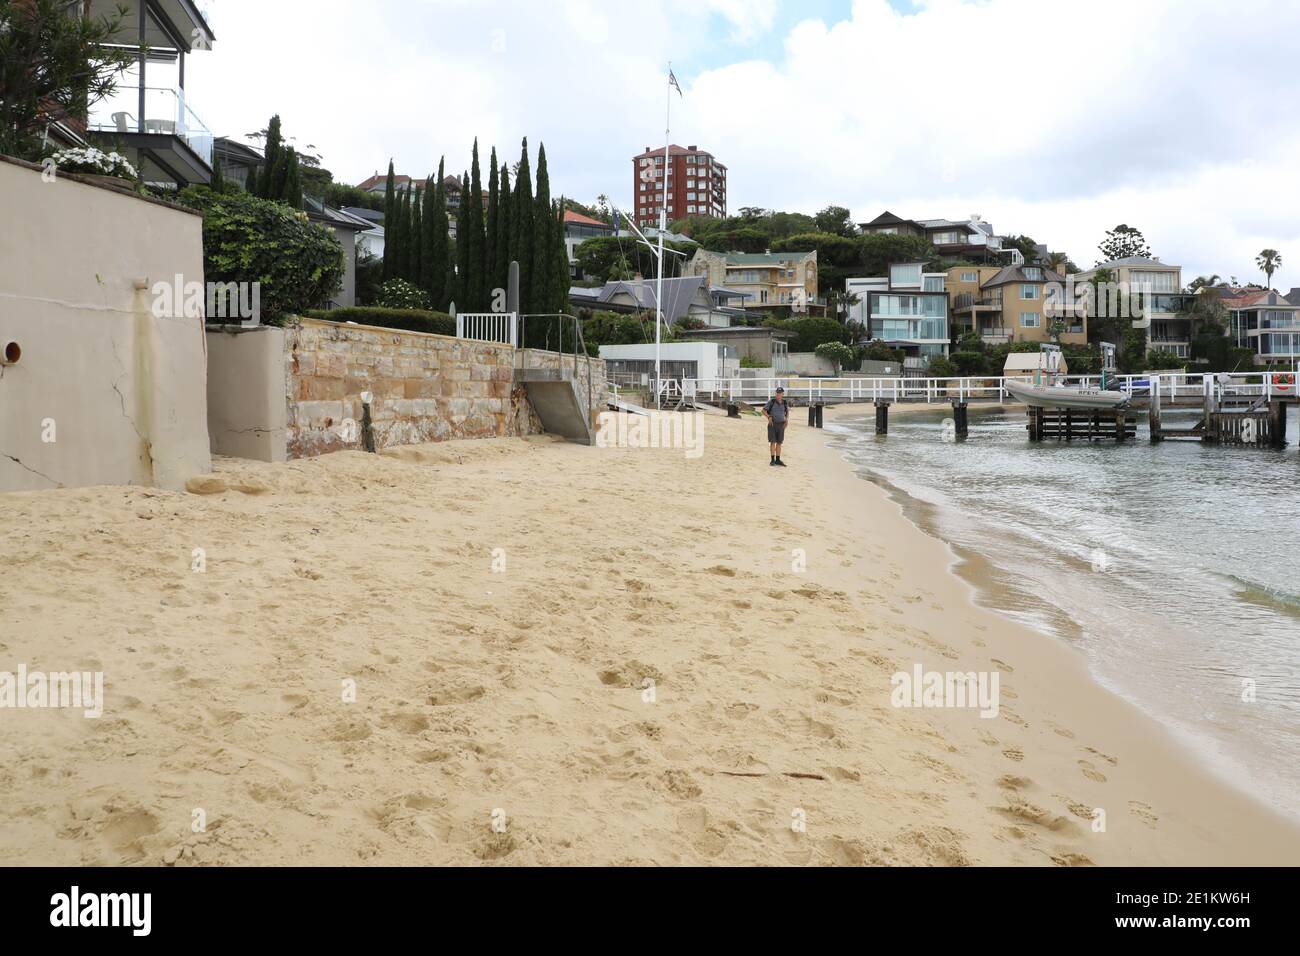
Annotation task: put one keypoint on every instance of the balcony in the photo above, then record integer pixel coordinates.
(169, 132)
(998, 336)
(967, 300)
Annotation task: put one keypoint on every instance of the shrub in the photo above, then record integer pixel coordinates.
(810, 332)
(400, 294)
(941, 367)
(878, 351)
(835, 352)
(1159, 360)
(407, 320)
(968, 363)
(245, 239)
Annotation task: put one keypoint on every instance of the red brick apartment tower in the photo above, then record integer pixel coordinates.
(697, 185)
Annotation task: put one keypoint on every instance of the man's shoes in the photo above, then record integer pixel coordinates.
(773, 463)
(780, 463)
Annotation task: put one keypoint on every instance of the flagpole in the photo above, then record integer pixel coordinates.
(663, 213)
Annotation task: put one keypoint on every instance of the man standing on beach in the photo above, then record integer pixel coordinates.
(777, 413)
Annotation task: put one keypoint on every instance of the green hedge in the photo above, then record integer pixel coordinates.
(408, 320)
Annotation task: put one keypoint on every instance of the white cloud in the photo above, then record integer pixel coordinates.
(1049, 118)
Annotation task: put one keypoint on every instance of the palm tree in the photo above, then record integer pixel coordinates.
(1056, 261)
(1268, 260)
(1203, 282)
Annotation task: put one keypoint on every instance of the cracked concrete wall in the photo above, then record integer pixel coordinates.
(247, 411)
(121, 392)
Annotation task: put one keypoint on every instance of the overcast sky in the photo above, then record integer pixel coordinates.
(1050, 118)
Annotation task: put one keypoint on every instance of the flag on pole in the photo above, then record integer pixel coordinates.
(672, 81)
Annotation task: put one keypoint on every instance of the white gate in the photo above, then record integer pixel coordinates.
(500, 327)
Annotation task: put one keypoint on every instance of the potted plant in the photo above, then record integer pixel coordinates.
(109, 168)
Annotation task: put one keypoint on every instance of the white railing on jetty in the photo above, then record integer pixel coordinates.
(488, 327)
(1171, 387)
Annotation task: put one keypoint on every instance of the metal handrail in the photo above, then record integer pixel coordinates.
(578, 343)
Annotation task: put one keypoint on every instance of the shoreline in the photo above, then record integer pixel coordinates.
(974, 570)
(524, 689)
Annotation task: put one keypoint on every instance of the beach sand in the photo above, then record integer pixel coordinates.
(522, 692)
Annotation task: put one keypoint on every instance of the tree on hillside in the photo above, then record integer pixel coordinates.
(54, 65)
(1121, 242)
(835, 220)
(1028, 248)
(471, 220)
(1268, 260)
(878, 250)
(415, 259)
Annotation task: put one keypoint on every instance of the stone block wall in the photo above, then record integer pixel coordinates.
(424, 387)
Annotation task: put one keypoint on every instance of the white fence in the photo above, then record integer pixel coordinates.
(1171, 387)
(488, 327)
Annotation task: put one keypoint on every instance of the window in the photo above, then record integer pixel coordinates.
(947, 239)
(1033, 272)
(690, 184)
(970, 277)
(1029, 292)
(909, 274)
(1153, 281)
(1029, 320)
(690, 209)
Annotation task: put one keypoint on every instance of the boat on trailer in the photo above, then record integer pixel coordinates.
(1049, 391)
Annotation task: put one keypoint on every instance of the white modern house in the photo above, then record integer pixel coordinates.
(907, 309)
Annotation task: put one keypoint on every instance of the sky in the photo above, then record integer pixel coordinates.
(1048, 118)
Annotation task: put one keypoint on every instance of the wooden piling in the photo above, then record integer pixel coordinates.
(961, 418)
(882, 417)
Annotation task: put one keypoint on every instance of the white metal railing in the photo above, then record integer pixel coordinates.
(1170, 387)
(488, 327)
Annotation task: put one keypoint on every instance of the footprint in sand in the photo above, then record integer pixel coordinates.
(1143, 812)
(1113, 761)
(1091, 772)
(1014, 753)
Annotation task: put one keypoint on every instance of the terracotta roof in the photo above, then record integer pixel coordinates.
(571, 216)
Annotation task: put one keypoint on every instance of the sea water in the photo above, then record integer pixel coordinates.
(1173, 568)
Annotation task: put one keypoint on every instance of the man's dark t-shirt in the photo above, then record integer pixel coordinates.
(777, 409)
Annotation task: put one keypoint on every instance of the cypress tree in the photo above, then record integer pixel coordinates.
(504, 221)
(292, 193)
(427, 226)
(416, 259)
(521, 237)
(272, 153)
(439, 291)
(464, 245)
(476, 279)
(390, 224)
(541, 282)
(250, 184)
(401, 230)
(273, 187)
(561, 281)
(490, 233)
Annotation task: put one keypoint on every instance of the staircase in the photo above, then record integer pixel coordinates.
(555, 395)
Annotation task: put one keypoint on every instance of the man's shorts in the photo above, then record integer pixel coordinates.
(776, 432)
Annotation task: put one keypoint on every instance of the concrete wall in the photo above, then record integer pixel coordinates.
(247, 411)
(121, 392)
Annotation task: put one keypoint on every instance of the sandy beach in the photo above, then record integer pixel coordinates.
(560, 655)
